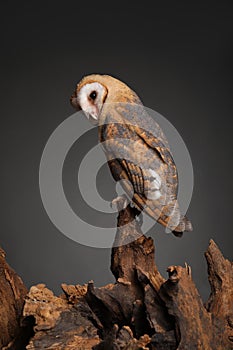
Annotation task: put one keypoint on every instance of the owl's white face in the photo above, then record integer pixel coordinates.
(90, 98)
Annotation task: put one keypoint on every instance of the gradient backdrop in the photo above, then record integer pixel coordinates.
(177, 57)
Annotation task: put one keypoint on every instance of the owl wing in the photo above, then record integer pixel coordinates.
(139, 122)
(148, 180)
(141, 156)
(134, 185)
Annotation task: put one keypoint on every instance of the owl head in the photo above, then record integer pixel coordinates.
(94, 91)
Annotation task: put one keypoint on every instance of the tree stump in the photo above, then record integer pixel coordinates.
(141, 310)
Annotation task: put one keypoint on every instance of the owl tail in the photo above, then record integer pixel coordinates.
(184, 225)
(172, 219)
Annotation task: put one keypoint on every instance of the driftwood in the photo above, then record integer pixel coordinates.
(140, 310)
(12, 294)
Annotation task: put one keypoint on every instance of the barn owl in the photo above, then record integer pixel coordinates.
(137, 151)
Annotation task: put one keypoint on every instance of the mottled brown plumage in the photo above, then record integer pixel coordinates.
(135, 146)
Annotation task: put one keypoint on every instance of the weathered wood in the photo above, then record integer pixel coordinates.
(182, 300)
(12, 293)
(141, 310)
(220, 303)
(59, 324)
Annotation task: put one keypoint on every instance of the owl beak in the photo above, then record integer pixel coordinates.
(92, 117)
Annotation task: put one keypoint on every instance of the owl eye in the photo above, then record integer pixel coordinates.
(93, 95)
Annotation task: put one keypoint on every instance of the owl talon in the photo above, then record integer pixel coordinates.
(120, 202)
(137, 213)
(140, 220)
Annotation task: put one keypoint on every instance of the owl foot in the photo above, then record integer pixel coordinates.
(120, 202)
(140, 220)
(137, 213)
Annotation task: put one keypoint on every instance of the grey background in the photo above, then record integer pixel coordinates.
(177, 57)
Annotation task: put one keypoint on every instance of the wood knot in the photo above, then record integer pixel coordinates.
(230, 320)
(173, 274)
(2, 253)
(123, 281)
(90, 287)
